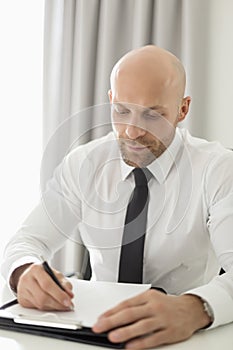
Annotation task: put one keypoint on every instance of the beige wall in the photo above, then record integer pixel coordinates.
(220, 107)
(209, 65)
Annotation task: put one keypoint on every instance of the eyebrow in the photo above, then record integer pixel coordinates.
(153, 108)
(157, 107)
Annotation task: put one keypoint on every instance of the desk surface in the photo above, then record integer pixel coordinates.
(219, 338)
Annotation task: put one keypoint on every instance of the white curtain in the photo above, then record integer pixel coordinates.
(84, 38)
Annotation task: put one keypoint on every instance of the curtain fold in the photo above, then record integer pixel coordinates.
(83, 39)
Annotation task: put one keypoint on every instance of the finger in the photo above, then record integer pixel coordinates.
(140, 299)
(64, 282)
(152, 340)
(140, 328)
(57, 295)
(44, 301)
(123, 317)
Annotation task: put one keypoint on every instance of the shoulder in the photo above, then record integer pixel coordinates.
(88, 158)
(200, 145)
(210, 154)
(216, 163)
(97, 148)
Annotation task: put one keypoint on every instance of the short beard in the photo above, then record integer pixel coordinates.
(153, 151)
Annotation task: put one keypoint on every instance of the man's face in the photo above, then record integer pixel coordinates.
(144, 132)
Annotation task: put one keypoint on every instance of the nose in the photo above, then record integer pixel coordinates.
(133, 132)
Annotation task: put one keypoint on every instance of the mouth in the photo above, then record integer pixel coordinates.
(135, 147)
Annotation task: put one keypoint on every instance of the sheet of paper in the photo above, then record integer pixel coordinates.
(91, 300)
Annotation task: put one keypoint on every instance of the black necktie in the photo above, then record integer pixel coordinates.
(132, 247)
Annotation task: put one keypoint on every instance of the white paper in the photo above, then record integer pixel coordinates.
(90, 301)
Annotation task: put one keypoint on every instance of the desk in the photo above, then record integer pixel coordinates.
(219, 338)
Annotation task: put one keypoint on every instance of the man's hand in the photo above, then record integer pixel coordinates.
(152, 319)
(36, 289)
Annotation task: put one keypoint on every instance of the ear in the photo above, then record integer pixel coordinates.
(110, 95)
(184, 108)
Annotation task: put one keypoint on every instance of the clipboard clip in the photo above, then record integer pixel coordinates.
(48, 320)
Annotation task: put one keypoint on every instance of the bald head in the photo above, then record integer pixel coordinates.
(147, 70)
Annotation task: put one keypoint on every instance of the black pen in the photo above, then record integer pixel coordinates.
(49, 271)
(9, 304)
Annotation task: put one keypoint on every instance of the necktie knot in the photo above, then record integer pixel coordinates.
(142, 176)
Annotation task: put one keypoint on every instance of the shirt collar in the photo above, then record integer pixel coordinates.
(161, 166)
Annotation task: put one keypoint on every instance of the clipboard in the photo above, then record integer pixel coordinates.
(73, 325)
(81, 335)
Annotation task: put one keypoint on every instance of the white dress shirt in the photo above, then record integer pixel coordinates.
(190, 217)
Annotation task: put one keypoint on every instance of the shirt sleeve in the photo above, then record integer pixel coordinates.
(50, 224)
(218, 190)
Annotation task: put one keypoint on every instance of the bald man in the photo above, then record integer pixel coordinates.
(189, 220)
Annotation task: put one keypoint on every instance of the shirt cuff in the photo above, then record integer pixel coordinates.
(219, 300)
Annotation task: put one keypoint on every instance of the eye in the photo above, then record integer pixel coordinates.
(153, 116)
(121, 110)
